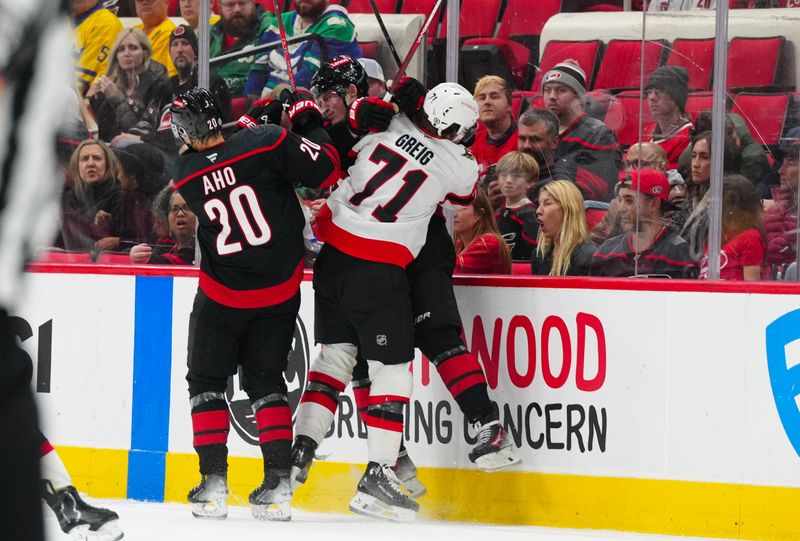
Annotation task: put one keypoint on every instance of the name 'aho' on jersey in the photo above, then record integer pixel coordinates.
(381, 211)
(250, 221)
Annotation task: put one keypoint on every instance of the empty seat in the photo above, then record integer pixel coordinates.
(521, 101)
(760, 64)
(697, 56)
(621, 66)
(586, 53)
(370, 49)
(478, 19)
(697, 102)
(765, 115)
(627, 122)
(423, 7)
(362, 6)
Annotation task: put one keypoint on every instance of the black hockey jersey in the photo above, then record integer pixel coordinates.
(250, 223)
(519, 227)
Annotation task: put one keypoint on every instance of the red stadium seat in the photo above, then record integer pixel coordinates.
(423, 7)
(586, 53)
(521, 100)
(62, 257)
(627, 129)
(765, 115)
(370, 49)
(362, 6)
(521, 269)
(172, 8)
(537, 101)
(767, 65)
(477, 20)
(699, 102)
(697, 56)
(622, 63)
(269, 5)
(238, 107)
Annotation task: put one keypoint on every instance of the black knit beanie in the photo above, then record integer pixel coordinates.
(674, 80)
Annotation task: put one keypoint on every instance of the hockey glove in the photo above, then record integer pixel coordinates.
(301, 108)
(266, 111)
(369, 115)
(409, 94)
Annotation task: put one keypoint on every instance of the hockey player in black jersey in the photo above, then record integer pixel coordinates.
(250, 236)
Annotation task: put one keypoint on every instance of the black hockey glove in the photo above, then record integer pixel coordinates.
(370, 115)
(301, 109)
(409, 94)
(266, 111)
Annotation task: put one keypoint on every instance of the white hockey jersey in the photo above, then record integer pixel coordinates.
(380, 212)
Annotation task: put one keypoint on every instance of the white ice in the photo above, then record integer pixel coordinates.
(174, 522)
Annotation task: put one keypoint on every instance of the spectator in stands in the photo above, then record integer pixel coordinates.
(479, 247)
(94, 30)
(516, 219)
(157, 26)
(648, 246)
(537, 135)
(742, 245)
(176, 223)
(190, 11)
(667, 91)
(92, 201)
(375, 77)
(319, 17)
(496, 135)
(645, 156)
(588, 151)
(563, 245)
(241, 24)
(610, 225)
(133, 92)
(780, 219)
(677, 192)
(141, 177)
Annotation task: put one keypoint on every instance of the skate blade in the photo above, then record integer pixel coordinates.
(110, 531)
(280, 512)
(369, 506)
(297, 477)
(414, 487)
(210, 510)
(503, 459)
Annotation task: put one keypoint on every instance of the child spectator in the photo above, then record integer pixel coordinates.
(563, 247)
(517, 172)
(172, 215)
(479, 247)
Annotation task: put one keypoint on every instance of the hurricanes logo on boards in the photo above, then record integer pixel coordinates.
(242, 418)
(784, 373)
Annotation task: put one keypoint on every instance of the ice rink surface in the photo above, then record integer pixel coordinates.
(174, 522)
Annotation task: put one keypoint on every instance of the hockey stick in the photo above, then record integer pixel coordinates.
(385, 32)
(285, 46)
(413, 49)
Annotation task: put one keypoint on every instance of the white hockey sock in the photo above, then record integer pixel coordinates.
(391, 389)
(53, 470)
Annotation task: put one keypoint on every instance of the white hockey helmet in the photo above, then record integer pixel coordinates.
(450, 103)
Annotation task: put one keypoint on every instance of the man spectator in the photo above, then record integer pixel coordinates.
(647, 246)
(95, 30)
(241, 24)
(375, 77)
(319, 17)
(158, 28)
(780, 218)
(588, 151)
(667, 90)
(652, 156)
(496, 135)
(537, 136)
(190, 11)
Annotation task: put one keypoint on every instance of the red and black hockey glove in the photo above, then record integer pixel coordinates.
(301, 108)
(266, 111)
(409, 94)
(369, 115)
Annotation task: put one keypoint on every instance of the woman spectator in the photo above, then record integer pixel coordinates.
(479, 247)
(91, 203)
(172, 215)
(743, 246)
(131, 95)
(563, 246)
(141, 177)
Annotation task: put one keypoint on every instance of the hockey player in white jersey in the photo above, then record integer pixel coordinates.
(374, 224)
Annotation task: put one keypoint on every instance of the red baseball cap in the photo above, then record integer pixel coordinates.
(650, 182)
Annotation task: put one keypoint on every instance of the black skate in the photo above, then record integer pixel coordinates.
(271, 500)
(302, 457)
(406, 473)
(494, 450)
(209, 498)
(78, 518)
(381, 496)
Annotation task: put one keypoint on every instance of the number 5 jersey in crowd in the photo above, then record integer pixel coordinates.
(250, 221)
(381, 211)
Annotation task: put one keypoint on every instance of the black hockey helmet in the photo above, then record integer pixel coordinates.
(195, 116)
(338, 75)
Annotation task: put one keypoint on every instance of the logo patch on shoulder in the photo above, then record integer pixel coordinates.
(212, 157)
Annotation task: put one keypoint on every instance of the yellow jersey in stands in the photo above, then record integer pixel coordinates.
(159, 41)
(94, 34)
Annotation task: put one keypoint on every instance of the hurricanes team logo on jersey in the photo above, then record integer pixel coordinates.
(296, 374)
(784, 373)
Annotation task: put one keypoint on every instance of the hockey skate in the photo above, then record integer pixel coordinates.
(494, 450)
(271, 500)
(380, 496)
(406, 473)
(302, 457)
(209, 498)
(79, 519)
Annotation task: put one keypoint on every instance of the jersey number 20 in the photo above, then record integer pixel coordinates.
(248, 216)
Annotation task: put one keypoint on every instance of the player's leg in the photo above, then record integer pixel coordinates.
(214, 334)
(74, 515)
(265, 353)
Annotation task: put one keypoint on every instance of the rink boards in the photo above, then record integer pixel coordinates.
(661, 407)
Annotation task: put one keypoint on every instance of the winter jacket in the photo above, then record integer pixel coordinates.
(780, 226)
(78, 229)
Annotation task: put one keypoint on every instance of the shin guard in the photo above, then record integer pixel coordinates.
(210, 425)
(391, 389)
(462, 374)
(274, 422)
